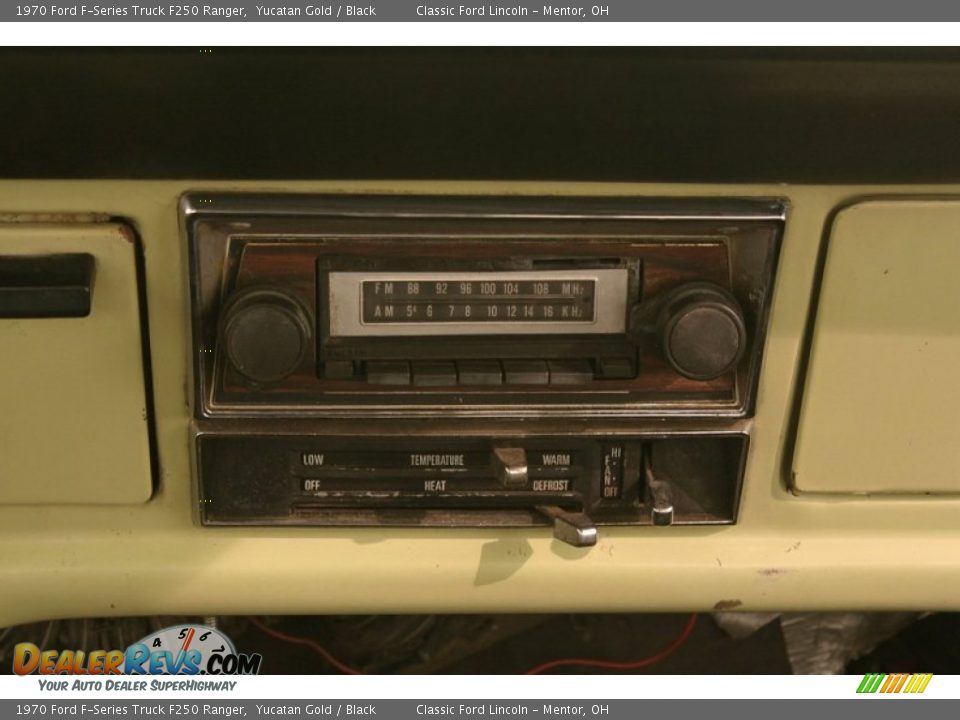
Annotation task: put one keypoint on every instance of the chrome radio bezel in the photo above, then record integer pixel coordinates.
(751, 229)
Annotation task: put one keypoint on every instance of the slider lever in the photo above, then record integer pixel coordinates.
(511, 466)
(573, 528)
(659, 497)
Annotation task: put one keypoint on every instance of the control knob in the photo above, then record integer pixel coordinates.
(701, 330)
(266, 333)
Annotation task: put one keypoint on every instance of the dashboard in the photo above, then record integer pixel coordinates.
(243, 370)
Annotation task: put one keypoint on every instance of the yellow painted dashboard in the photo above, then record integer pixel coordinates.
(849, 499)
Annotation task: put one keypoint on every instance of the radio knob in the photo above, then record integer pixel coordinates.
(266, 334)
(701, 329)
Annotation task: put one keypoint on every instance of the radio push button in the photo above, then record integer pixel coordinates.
(479, 372)
(434, 373)
(617, 368)
(338, 369)
(570, 372)
(388, 372)
(526, 372)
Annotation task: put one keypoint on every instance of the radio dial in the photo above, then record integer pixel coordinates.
(266, 334)
(701, 329)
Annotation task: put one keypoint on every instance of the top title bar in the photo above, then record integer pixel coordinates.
(511, 11)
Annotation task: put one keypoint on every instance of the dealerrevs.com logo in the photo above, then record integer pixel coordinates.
(176, 650)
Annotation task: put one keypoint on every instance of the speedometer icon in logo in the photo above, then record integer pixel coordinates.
(188, 650)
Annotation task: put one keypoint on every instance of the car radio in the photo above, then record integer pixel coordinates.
(405, 360)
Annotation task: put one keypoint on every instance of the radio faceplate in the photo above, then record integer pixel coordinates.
(432, 306)
(423, 361)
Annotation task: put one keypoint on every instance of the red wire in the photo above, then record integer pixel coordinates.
(306, 642)
(674, 645)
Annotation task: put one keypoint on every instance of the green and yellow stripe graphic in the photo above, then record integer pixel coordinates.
(895, 683)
